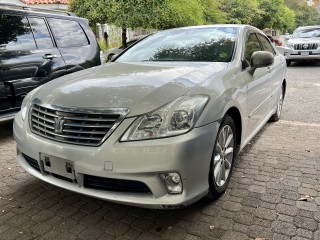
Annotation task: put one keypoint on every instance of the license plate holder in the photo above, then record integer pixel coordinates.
(304, 53)
(58, 166)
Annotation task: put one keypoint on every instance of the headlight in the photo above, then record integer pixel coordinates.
(26, 103)
(173, 119)
(289, 45)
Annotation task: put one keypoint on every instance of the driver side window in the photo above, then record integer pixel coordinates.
(252, 45)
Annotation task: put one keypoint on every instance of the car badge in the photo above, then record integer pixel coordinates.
(58, 124)
(305, 46)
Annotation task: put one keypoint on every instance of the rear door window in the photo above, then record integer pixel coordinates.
(41, 33)
(15, 34)
(67, 33)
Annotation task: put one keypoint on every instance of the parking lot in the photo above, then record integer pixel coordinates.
(274, 192)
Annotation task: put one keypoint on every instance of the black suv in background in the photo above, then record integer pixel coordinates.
(38, 45)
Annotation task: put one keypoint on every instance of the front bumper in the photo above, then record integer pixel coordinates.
(291, 54)
(142, 161)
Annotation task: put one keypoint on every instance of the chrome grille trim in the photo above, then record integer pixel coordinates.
(88, 127)
(302, 46)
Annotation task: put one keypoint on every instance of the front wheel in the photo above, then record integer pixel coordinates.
(288, 62)
(223, 158)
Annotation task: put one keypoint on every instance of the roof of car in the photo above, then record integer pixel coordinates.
(24, 8)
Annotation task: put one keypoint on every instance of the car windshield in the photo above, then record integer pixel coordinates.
(210, 44)
(307, 33)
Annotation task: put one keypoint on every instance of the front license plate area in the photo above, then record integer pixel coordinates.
(304, 53)
(58, 166)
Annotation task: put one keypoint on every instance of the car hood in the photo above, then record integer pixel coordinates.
(141, 87)
(304, 40)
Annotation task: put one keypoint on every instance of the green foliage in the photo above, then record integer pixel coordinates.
(103, 45)
(163, 14)
(275, 15)
(241, 11)
(304, 14)
(211, 12)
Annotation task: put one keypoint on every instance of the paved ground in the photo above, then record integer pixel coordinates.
(279, 166)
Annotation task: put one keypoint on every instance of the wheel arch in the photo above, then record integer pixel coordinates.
(234, 113)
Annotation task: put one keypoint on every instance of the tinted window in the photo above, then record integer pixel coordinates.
(211, 44)
(266, 44)
(15, 34)
(252, 46)
(41, 33)
(67, 33)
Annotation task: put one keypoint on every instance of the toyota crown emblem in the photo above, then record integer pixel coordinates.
(58, 124)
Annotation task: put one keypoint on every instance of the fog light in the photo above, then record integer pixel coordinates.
(173, 182)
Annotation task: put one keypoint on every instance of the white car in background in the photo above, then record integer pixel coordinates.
(304, 44)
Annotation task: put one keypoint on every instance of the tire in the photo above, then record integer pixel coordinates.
(288, 62)
(275, 117)
(223, 158)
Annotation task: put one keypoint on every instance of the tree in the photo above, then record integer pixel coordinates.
(158, 14)
(241, 11)
(304, 14)
(274, 14)
(211, 11)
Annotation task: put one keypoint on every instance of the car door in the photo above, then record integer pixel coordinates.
(259, 89)
(77, 51)
(276, 70)
(28, 55)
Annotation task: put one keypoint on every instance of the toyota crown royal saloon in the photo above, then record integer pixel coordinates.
(161, 125)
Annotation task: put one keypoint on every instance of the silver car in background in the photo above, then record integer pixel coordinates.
(304, 44)
(161, 125)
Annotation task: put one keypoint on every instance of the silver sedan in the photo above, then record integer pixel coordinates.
(161, 125)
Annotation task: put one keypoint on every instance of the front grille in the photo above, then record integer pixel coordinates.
(82, 127)
(115, 185)
(32, 162)
(306, 46)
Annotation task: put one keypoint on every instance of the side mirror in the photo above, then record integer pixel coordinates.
(261, 59)
(287, 37)
(114, 57)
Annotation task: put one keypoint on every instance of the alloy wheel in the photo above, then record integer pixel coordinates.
(223, 157)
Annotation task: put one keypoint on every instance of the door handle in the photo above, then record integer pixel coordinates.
(49, 56)
(269, 69)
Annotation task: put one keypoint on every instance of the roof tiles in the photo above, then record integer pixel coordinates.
(33, 2)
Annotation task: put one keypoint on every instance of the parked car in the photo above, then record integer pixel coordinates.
(115, 51)
(275, 41)
(161, 125)
(38, 45)
(304, 44)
